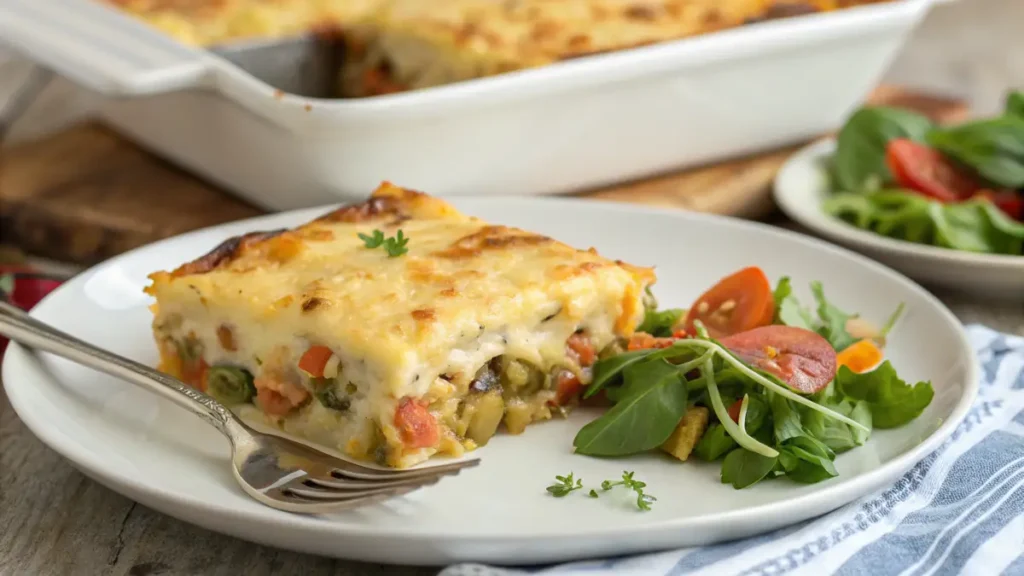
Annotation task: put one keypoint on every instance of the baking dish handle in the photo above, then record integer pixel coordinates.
(99, 47)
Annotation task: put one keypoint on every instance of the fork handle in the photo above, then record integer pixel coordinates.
(20, 327)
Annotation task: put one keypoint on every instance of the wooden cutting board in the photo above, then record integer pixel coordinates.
(86, 194)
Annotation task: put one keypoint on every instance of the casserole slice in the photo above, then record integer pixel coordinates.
(395, 329)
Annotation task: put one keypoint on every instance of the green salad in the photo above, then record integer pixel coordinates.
(752, 378)
(961, 187)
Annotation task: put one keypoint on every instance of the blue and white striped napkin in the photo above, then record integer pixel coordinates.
(959, 511)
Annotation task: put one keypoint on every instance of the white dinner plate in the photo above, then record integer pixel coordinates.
(801, 187)
(150, 450)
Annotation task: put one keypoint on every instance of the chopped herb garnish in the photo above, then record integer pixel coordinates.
(564, 485)
(643, 501)
(593, 493)
(395, 246)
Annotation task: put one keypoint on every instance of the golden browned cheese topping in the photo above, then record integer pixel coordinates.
(456, 280)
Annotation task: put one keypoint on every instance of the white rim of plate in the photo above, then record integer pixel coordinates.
(809, 159)
(137, 490)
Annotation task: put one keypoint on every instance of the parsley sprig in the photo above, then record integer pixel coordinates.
(567, 484)
(643, 500)
(394, 246)
(564, 485)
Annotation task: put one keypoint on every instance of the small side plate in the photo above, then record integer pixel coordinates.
(800, 189)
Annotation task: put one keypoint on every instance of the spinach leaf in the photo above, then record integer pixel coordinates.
(743, 468)
(1015, 103)
(714, 443)
(892, 402)
(859, 163)
(833, 320)
(803, 466)
(785, 417)
(975, 225)
(861, 413)
(659, 322)
(641, 421)
(788, 310)
(994, 148)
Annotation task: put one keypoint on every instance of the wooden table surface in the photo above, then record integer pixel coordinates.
(54, 520)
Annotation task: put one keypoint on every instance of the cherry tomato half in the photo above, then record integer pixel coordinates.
(925, 170)
(802, 359)
(738, 302)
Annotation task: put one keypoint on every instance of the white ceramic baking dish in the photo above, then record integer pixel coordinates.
(569, 126)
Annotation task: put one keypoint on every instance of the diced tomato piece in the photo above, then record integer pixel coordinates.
(581, 346)
(922, 169)
(416, 424)
(734, 410)
(314, 360)
(738, 302)
(802, 359)
(567, 387)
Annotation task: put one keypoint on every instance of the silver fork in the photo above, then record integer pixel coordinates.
(275, 471)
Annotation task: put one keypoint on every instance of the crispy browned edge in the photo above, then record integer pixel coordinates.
(387, 199)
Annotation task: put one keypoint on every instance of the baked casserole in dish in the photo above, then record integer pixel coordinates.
(395, 329)
(399, 45)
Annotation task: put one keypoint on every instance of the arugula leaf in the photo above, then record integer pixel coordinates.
(892, 401)
(994, 148)
(641, 421)
(833, 320)
(660, 323)
(859, 163)
(785, 417)
(861, 413)
(714, 443)
(801, 465)
(788, 310)
(607, 370)
(1015, 103)
(743, 468)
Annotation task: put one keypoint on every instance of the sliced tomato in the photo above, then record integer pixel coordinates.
(737, 303)
(582, 348)
(802, 359)
(567, 387)
(416, 424)
(925, 170)
(314, 360)
(734, 410)
(1010, 202)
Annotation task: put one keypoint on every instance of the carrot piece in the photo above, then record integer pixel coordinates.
(583, 348)
(860, 356)
(314, 360)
